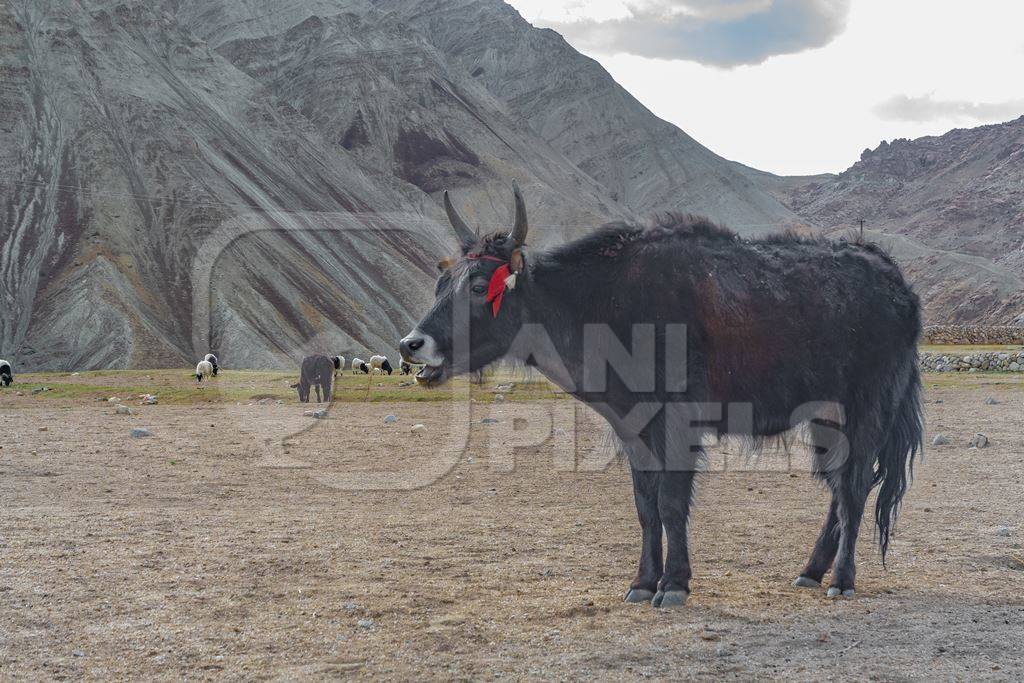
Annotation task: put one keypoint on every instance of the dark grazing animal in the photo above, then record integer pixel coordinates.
(6, 375)
(318, 371)
(212, 360)
(404, 368)
(682, 328)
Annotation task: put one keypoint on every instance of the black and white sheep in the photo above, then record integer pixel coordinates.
(212, 360)
(6, 374)
(204, 370)
(380, 364)
(339, 364)
(405, 368)
(316, 371)
(360, 365)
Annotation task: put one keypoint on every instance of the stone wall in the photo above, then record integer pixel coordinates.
(972, 334)
(983, 361)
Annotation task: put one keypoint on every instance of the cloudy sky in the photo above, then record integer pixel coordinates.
(803, 86)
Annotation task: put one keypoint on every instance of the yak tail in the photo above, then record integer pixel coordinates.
(896, 459)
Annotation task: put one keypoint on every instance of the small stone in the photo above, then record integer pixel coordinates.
(418, 429)
(350, 606)
(320, 414)
(390, 419)
(77, 653)
(365, 623)
(44, 429)
(940, 440)
(1003, 531)
(140, 433)
(113, 399)
(488, 421)
(979, 441)
(499, 398)
(124, 410)
(989, 401)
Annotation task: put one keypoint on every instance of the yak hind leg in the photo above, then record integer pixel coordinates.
(648, 573)
(852, 493)
(824, 551)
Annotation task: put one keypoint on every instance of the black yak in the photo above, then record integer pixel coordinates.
(702, 331)
(318, 371)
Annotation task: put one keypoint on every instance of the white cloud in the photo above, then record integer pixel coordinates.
(723, 33)
(927, 108)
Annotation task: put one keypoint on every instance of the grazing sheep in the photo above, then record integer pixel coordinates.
(339, 364)
(204, 369)
(6, 376)
(405, 368)
(212, 360)
(316, 371)
(358, 364)
(380, 364)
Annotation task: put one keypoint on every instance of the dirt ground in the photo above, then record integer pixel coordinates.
(249, 540)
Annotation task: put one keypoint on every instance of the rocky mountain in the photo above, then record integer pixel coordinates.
(950, 206)
(263, 178)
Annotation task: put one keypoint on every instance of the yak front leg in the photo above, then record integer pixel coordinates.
(645, 494)
(674, 493)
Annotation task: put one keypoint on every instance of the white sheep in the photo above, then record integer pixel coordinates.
(6, 375)
(339, 364)
(204, 369)
(360, 365)
(380, 364)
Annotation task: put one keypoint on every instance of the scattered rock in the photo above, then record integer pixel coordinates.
(141, 433)
(499, 398)
(365, 623)
(149, 399)
(940, 440)
(488, 421)
(113, 399)
(390, 419)
(406, 384)
(979, 441)
(505, 387)
(320, 414)
(418, 429)
(989, 401)
(124, 410)
(44, 429)
(350, 606)
(1003, 531)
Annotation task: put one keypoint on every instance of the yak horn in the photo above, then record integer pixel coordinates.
(462, 231)
(518, 233)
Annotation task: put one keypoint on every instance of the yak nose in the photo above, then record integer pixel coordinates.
(410, 345)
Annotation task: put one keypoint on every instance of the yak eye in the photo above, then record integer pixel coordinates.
(479, 288)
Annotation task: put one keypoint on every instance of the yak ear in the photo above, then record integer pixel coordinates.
(517, 261)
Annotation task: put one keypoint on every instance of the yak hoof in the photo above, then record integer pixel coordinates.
(836, 592)
(669, 599)
(806, 582)
(639, 595)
